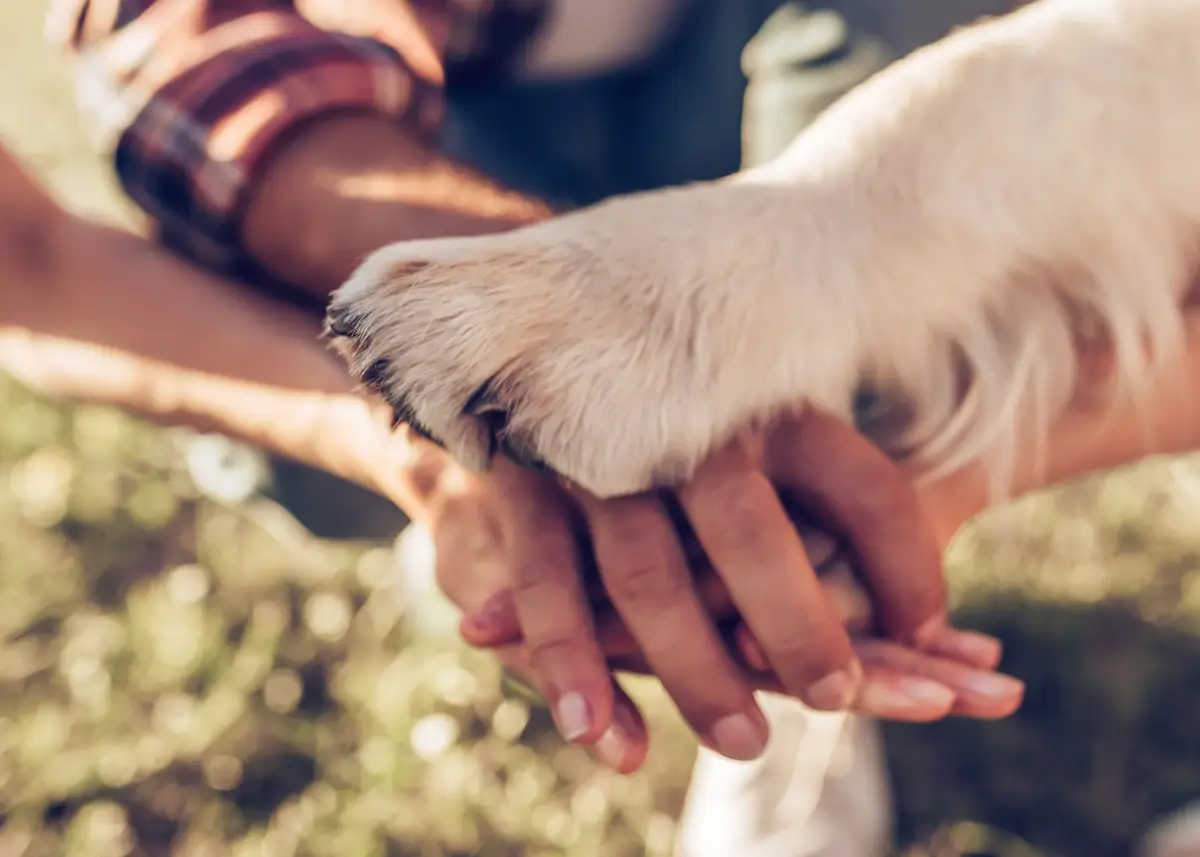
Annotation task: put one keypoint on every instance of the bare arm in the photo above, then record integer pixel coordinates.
(98, 314)
(351, 184)
(1092, 437)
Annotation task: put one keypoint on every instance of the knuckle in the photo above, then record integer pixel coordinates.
(641, 561)
(550, 606)
(703, 703)
(541, 587)
(734, 510)
(556, 646)
(891, 495)
(801, 658)
(646, 578)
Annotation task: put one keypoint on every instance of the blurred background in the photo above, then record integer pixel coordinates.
(186, 670)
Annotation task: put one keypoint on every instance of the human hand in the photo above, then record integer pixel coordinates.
(465, 518)
(468, 518)
(679, 625)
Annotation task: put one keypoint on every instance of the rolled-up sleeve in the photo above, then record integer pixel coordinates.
(191, 97)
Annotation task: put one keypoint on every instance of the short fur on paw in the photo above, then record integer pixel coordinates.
(612, 346)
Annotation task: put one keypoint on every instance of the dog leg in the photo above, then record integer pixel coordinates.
(946, 232)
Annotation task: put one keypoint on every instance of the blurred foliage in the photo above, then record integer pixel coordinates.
(1095, 591)
(180, 674)
(199, 677)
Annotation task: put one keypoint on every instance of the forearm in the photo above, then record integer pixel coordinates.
(310, 128)
(97, 314)
(347, 185)
(125, 323)
(1094, 437)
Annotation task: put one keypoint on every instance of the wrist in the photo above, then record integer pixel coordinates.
(354, 437)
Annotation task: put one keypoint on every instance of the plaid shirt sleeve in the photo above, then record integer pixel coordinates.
(192, 96)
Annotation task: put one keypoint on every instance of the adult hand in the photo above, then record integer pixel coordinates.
(476, 522)
(465, 519)
(680, 623)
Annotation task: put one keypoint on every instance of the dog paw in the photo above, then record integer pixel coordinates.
(616, 346)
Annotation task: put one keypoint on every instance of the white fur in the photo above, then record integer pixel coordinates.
(947, 232)
(1177, 835)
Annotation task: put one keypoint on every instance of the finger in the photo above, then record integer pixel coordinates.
(895, 695)
(884, 693)
(845, 594)
(838, 473)
(981, 651)
(624, 744)
(969, 648)
(754, 548)
(980, 693)
(565, 659)
(647, 578)
(900, 683)
(495, 623)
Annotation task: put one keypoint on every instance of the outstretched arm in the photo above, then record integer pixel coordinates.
(96, 313)
(1093, 435)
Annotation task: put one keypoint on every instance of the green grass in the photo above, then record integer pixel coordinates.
(181, 676)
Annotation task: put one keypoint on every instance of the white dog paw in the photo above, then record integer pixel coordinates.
(616, 346)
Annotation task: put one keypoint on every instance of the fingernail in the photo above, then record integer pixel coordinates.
(738, 737)
(834, 692)
(755, 657)
(574, 716)
(613, 748)
(610, 749)
(488, 628)
(902, 694)
(993, 685)
(929, 633)
(492, 615)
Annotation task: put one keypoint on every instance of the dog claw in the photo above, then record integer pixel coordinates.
(340, 323)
